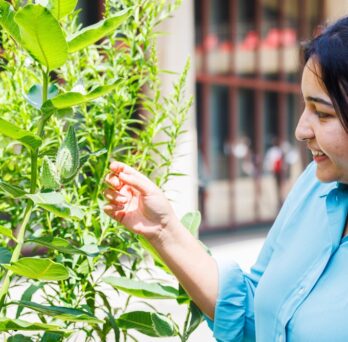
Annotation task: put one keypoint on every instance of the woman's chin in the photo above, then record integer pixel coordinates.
(326, 176)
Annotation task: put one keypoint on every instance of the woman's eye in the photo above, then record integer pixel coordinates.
(322, 115)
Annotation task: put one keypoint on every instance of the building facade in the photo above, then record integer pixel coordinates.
(248, 64)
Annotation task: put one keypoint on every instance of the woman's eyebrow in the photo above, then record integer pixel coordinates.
(319, 100)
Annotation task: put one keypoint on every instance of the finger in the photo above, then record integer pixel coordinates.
(115, 196)
(114, 212)
(111, 207)
(118, 167)
(131, 176)
(141, 184)
(128, 191)
(113, 181)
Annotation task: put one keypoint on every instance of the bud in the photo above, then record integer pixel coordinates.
(49, 176)
(68, 157)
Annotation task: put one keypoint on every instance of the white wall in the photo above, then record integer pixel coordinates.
(174, 48)
(336, 9)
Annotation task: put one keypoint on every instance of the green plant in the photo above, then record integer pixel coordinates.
(84, 103)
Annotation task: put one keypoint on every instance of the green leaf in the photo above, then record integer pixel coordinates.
(111, 320)
(158, 260)
(84, 159)
(63, 245)
(71, 99)
(92, 249)
(55, 203)
(49, 177)
(5, 255)
(7, 21)
(142, 289)
(7, 232)
(192, 222)
(49, 336)
(56, 243)
(183, 297)
(42, 36)
(26, 138)
(34, 96)
(196, 319)
(68, 157)
(65, 112)
(83, 267)
(62, 313)
(91, 34)
(27, 295)
(8, 324)
(61, 8)
(41, 269)
(19, 338)
(12, 190)
(148, 323)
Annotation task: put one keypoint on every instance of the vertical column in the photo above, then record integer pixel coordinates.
(335, 9)
(232, 111)
(232, 160)
(258, 153)
(259, 115)
(204, 8)
(174, 48)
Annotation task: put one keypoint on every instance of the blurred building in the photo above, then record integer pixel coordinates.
(248, 64)
(240, 154)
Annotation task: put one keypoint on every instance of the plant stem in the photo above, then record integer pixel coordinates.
(45, 85)
(34, 156)
(33, 178)
(16, 253)
(30, 205)
(21, 234)
(183, 337)
(40, 130)
(102, 173)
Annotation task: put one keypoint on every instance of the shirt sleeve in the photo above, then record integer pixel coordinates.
(234, 310)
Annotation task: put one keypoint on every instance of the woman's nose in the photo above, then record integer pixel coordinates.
(304, 128)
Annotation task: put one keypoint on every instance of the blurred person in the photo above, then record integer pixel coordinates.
(274, 163)
(241, 150)
(297, 290)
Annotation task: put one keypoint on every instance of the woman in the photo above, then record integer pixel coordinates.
(297, 290)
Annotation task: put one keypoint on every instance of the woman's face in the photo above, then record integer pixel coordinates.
(320, 126)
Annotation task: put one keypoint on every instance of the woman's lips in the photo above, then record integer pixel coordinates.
(320, 158)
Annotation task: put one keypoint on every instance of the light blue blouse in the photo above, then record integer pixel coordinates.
(298, 289)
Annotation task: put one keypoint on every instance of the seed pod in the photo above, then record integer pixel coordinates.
(68, 157)
(49, 175)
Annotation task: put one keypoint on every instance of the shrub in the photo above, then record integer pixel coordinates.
(72, 99)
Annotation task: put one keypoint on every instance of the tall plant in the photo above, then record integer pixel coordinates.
(68, 106)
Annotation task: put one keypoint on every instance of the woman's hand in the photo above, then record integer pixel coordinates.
(141, 207)
(136, 202)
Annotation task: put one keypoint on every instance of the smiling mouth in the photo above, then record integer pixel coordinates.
(319, 156)
(318, 153)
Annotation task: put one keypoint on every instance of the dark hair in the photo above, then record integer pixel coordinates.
(330, 50)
